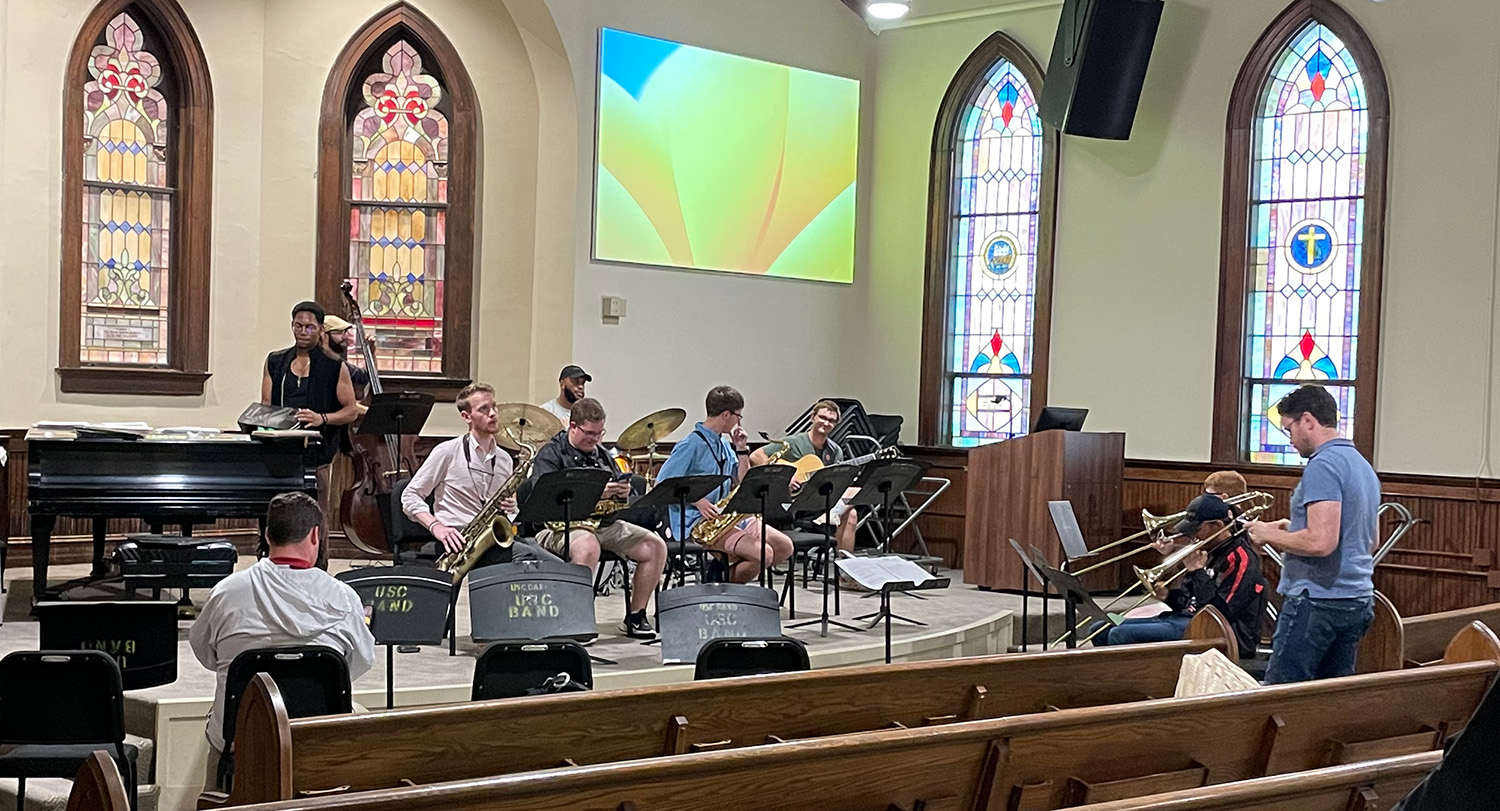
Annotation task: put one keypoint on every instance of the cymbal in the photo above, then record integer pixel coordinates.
(531, 424)
(653, 427)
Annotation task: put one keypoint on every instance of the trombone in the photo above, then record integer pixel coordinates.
(1172, 566)
(1154, 523)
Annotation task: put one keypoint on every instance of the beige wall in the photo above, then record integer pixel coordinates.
(686, 331)
(269, 61)
(1134, 312)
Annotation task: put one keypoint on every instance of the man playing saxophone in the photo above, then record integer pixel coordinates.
(460, 475)
(578, 446)
(707, 451)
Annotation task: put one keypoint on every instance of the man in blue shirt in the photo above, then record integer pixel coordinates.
(1326, 580)
(707, 452)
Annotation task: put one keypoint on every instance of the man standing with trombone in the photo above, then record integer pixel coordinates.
(1222, 571)
(1328, 541)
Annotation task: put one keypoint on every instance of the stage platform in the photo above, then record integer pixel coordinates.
(962, 621)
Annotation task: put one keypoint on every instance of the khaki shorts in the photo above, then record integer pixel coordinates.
(619, 538)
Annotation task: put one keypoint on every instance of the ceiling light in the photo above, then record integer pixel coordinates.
(888, 9)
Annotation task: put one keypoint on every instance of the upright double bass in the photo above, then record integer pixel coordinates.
(376, 459)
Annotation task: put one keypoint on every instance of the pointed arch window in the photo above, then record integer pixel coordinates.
(396, 191)
(1304, 230)
(988, 299)
(136, 196)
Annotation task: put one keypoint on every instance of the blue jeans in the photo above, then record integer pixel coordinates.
(1164, 628)
(1317, 638)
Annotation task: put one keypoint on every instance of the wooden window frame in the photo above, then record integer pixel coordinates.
(1230, 391)
(935, 407)
(334, 170)
(191, 171)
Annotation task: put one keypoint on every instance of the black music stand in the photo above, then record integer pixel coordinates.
(680, 491)
(553, 495)
(877, 483)
(395, 413)
(402, 610)
(398, 413)
(892, 586)
(1026, 596)
(762, 492)
(821, 491)
(1074, 596)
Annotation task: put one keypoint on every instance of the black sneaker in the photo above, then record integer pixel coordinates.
(638, 626)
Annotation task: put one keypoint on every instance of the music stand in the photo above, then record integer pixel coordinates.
(877, 482)
(1074, 596)
(890, 575)
(681, 490)
(762, 490)
(396, 412)
(819, 493)
(401, 609)
(553, 495)
(1026, 597)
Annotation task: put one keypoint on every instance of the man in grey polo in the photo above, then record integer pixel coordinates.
(1326, 580)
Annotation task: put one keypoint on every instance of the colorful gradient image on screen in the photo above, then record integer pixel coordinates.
(718, 162)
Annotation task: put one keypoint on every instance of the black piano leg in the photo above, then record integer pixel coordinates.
(262, 549)
(187, 530)
(155, 527)
(41, 550)
(100, 571)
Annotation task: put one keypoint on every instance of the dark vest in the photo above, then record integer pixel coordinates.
(322, 389)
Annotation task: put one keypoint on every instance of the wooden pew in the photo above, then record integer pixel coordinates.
(277, 758)
(1394, 641)
(1375, 784)
(1034, 762)
(98, 786)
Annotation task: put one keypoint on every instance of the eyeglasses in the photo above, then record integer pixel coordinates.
(305, 327)
(738, 414)
(599, 434)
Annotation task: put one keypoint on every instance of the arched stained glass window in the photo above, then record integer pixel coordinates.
(398, 212)
(127, 202)
(1314, 179)
(997, 164)
(135, 275)
(396, 188)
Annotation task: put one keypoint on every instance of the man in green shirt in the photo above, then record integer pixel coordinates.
(815, 442)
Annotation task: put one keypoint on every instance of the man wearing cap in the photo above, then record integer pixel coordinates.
(338, 332)
(569, 391)
(1225, 574)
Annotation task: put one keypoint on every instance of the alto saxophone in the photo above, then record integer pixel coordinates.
(491, 527)
(710, 531)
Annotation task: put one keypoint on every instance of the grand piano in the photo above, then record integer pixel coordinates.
(161, 481)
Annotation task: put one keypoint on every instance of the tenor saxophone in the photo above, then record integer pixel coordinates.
(710, 531)
(491, 527)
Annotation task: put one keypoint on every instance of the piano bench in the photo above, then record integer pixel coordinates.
(159, 562)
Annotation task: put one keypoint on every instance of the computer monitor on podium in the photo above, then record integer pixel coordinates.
(1054, 418)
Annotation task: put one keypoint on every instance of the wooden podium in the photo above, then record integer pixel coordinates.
(1009, 486)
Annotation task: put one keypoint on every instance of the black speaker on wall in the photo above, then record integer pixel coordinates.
(1098, 66)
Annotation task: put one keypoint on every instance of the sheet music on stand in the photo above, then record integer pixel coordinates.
(874, 572)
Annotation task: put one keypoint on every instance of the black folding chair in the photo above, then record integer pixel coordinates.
(723, 658)
(58, 708)
(313, 679)
(514, 668)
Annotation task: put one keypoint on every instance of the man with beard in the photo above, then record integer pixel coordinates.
(340, 336)
(569, 391)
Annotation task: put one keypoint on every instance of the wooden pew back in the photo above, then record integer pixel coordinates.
(275, 758)
(98, 786)
(1424, 638)
(1375, 784)
(1026, 763)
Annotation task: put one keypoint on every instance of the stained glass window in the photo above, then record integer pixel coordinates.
(127, 202)
(992, 285)
(1307, 218)
(398, 213)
